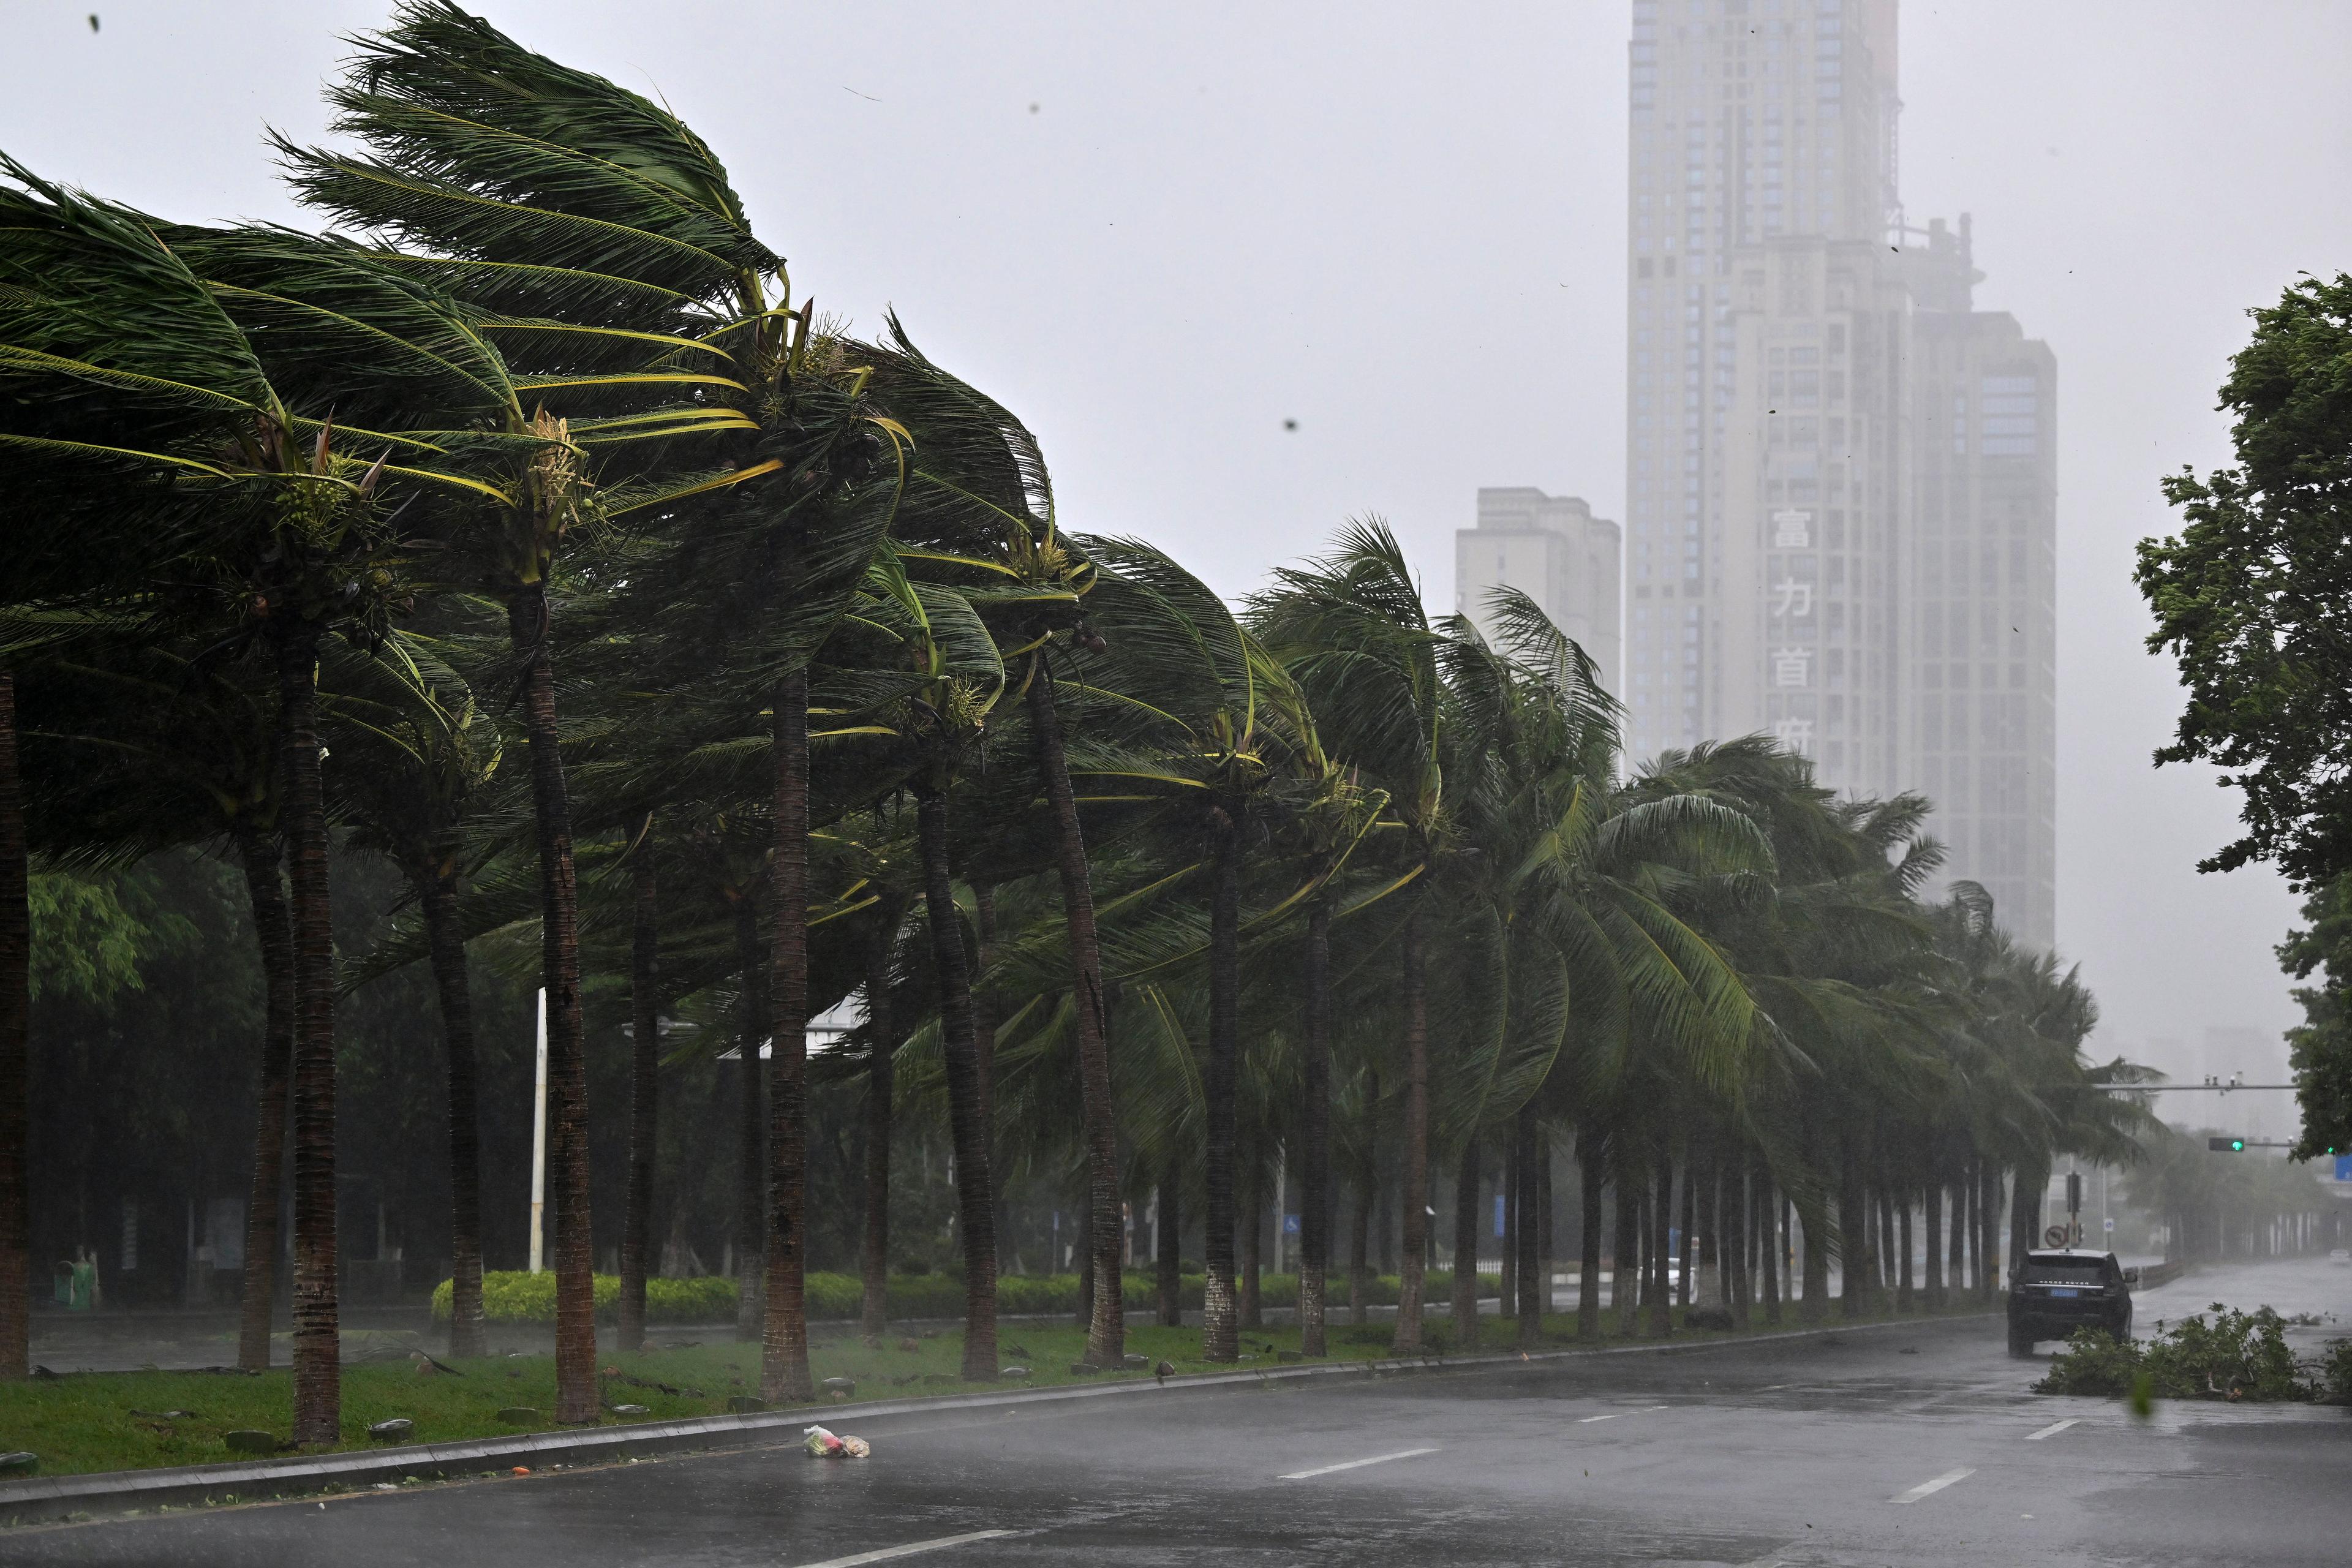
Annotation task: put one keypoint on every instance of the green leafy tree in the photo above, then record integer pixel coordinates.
(2253, 597)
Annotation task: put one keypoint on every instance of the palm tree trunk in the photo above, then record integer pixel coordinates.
(1955, 1273)
(567, 1067)
(1413, 1234)
(1625, 1278)
(1530, 1208)
(1814, 1305)
(1465, 1247)
(1934, 1239)
(1690, 1222)
(2024, 1212)
(15, 1057)
(1510, 1274)
(1903, 1299)
(1107, 1331)
(1544, 1230)
(1250, 1215)
(1315, 1134)
(1170, 1259)
(645, 1085)
(975, 1192)
(1731, 1245)
(257, 851)
(1979, 1251)
(1706, 1233)
(1661, 1219)
(1219, 1330)
(984, 1003)
(1592, 1176)
(874, 1257)
(1359, 1240)
(1989, 1208)
(318, 1372)
(445, 943)
(1886, 1259)
(1853, 1231)
(750, 1124)
(784, 1358)
(1768, 1233)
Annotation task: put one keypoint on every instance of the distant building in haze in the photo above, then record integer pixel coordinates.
(1980, 614)
(1553, 550)
(1840, 476)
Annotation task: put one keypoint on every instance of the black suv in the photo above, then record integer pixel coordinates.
(2064, 1289)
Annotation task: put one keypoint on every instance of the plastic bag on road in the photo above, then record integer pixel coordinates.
(822, 1444)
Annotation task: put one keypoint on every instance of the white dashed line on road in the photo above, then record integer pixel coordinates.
(885, 1553)
(2052, 1430)
(1925, 1487)
(1354, 1464)
(1612, 1415)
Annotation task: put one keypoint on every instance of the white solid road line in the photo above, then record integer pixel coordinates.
(1644, 1410)
(885, 1553)
(1355, 1464)
(2052, 1430)
(1938, 1484)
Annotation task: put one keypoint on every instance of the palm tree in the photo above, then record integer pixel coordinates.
(411, 750)
(177, 423)
(1352, 629)
(604, 237)
(645, 1080)
(979, 506)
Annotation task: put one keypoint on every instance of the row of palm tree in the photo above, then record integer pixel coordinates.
(526, 528)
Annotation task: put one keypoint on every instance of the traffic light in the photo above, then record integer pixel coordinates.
(2226, 1145)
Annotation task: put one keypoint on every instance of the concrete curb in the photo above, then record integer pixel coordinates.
(125, 1491)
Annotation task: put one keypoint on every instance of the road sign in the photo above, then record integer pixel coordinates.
(2108, 1225)
(2344, 1167)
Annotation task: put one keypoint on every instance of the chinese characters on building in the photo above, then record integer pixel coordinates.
(1790, 663)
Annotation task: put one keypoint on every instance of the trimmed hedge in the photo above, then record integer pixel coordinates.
(521, 1296)
(524, 1298)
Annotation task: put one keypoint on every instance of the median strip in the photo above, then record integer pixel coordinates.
(1355, 1464)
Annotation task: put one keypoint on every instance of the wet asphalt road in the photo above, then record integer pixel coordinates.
(1913, 1446)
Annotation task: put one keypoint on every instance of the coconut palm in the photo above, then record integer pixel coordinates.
(176, 426)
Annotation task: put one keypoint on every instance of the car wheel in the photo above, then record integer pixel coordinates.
(2021, 1343)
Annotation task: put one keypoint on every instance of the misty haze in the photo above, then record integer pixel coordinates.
(1030, 784)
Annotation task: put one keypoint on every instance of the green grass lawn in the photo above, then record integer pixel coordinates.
(117, 1421)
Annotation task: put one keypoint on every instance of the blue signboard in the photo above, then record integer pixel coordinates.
(1290, 1225)
(2344, 1167)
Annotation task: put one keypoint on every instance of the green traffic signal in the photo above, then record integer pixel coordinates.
(2226, 1145)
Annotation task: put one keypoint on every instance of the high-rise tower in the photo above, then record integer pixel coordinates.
(1980, 587)
(1794, 371)
(1762, 188)
(1552, 549)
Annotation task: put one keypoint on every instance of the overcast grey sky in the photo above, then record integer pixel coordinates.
(1158, 232)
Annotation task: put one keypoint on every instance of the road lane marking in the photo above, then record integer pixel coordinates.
(1644, 1410)
(1355, 1464)
(1925, 1487)
(885, 1553)
(2052, 1430)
